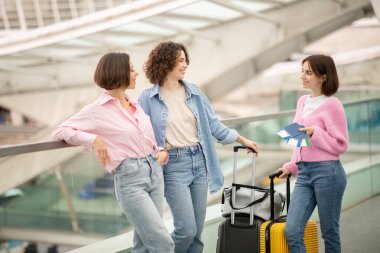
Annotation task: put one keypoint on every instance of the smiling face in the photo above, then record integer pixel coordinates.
(133, 76)
(179, 70)
(310, 80)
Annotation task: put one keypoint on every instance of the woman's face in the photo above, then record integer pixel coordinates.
(310, 80)
(180, 68)
(133, 76)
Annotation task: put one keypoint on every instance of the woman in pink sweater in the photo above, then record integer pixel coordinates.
(321, 179)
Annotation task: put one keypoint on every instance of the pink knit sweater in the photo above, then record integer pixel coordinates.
(330, 137)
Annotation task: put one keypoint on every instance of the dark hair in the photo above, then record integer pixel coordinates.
(324, 65)
(162, 59)
(113, 71)
(31, 248)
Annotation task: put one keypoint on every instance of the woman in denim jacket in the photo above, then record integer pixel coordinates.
(121, 136)
(184, 123)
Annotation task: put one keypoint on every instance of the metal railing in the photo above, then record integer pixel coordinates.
(230, 122)
(32, 147)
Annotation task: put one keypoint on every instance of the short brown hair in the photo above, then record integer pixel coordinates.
(162, 59)
(324, 65)
(113, 71)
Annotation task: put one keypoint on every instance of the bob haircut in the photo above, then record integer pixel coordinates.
(113, 71)
(162, 59)
(323, 65)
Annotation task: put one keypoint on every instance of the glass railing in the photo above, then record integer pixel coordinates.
(40, 203)
(83, 201)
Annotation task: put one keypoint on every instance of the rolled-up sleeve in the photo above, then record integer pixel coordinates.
(77, 129)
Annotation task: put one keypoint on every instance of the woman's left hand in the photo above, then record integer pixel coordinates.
(161, 156)
(249, 144)
(309, 130)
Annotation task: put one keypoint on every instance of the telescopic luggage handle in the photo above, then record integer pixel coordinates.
(271, 177)
(251, 213)
(236, 148)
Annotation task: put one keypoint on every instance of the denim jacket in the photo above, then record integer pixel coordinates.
(207, 123)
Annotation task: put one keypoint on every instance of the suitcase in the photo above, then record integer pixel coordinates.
(272, 233)
(239, 234)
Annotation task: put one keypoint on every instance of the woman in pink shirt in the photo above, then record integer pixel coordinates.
(321, 179)
(121, 136)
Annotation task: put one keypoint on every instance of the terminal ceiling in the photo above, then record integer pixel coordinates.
(47, 63)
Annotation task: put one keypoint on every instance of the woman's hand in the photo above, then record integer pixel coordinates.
(161, 156)
(285, 172)
(249, 144)
(101, 152)
(309, 130)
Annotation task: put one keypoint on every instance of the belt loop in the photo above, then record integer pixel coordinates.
(138, 163)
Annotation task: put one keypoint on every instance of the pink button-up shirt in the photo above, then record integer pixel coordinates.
(125, 134)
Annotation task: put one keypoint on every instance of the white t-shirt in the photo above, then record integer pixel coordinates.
(181, 125)
(312, 103)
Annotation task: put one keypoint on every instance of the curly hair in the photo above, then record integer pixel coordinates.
(162, 59)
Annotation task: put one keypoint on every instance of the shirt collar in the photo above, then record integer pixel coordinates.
(104, 98)
(190, 89)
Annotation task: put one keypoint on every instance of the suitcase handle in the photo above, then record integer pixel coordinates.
(277, 174)
(271, 177)
(251, 215)
(236, 148)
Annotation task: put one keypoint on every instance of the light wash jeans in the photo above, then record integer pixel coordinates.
(320, 184)
(186, 193)
(139, 189)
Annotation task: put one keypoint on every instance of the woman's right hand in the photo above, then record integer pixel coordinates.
(162, 156)
(101, 152)
(285, 172)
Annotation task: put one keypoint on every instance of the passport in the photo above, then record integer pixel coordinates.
(293, 131)
(293, 136)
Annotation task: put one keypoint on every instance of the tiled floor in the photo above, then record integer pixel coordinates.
(360, 228)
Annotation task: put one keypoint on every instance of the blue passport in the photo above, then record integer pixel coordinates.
(293, 131)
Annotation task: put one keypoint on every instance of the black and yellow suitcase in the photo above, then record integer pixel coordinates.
(272, 233)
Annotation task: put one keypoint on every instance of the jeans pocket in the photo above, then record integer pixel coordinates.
(157, 166)
(128, 170)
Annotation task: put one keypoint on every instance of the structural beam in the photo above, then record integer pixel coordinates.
(241, 73)
(257, 15)
(88, 24)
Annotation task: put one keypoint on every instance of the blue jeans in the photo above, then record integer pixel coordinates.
(139, 188)
(186, 189)
(320, 184)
